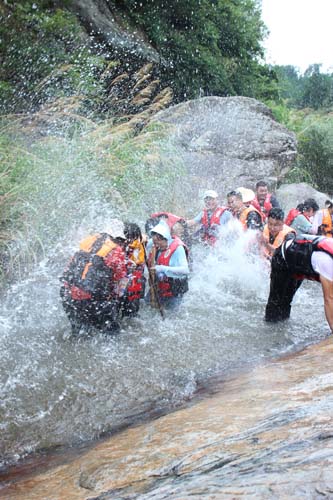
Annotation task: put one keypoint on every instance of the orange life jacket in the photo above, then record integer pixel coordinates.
(244, 215)
(87, 275)
(326, 225)
(279, 238)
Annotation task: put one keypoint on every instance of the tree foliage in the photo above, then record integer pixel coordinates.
(212, 47)
(316, 154)
(43, 55)
(314, 89)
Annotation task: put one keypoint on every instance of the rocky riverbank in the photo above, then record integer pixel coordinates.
(265, 434)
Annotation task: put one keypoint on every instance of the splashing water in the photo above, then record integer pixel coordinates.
(55, 390)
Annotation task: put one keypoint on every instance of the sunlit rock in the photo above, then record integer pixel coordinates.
(290, 195)
(226, 142)
(265, 434)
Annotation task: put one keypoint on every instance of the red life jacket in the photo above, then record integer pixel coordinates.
(135, 287)
(292, 214)
(207, 224)
(166, 287)
(171, 218)
(265, 208)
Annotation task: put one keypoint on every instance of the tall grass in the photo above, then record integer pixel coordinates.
(52, 186)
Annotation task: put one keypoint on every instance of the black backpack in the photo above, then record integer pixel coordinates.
(88, 271)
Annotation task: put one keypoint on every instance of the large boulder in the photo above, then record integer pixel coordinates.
(227, 142)
(290, 195)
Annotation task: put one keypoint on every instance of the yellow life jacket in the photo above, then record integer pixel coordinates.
(326, 225)
(244, 215)
(136, 252)
(279, 238)
(87, 245)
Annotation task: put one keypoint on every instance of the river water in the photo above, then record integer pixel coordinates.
(56, 390)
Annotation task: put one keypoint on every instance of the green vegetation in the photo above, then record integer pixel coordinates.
(67, 108)
(43, 56)
(210, 47)
(56, 184)
(305, 106)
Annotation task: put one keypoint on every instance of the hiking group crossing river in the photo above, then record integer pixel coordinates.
(56, 390)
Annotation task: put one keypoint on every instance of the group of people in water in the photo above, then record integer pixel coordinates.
(106, 278)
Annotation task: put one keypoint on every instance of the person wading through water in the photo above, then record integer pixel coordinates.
(95, 280)
(135, 262)
(263, 200)
(211, 218)
(274, 232)
(305, 257)
(167, 258)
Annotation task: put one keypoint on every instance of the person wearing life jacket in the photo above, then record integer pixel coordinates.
(322, 220)
(95, 280)
(293, 213)
(178, 226)
(302, 222)
(274, 232)
(239, 202)
(298, 258)
(167, 257)
(135, 263)
(263, 200)
(211, 218)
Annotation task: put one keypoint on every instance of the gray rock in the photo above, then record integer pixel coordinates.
(227, 142)
(290, 195)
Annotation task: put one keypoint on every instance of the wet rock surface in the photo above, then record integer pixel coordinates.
(266, 434)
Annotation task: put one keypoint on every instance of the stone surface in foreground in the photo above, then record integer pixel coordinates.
(267, 434)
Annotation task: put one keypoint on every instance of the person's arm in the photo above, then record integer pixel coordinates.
(327, 287)
(178, 264)
(225, 217)
(195, 220)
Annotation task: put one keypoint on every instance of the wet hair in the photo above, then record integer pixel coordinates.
(276, 213)
(300, 207)
(150, 223)
(132, 231)
(310, 203)
(235, 193)
(261, 184)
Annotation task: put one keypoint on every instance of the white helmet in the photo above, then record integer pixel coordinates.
(116, 229)
(210, 193)
(247, 194)
(162, 229)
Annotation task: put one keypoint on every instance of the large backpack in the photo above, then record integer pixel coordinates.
(88, 271)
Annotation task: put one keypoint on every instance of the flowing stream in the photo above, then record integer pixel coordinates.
(56, 390)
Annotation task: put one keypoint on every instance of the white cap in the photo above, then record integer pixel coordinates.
(210, 193)
(247, 194)
(116, 229)
(163, 229)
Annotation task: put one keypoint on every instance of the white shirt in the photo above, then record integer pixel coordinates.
(322, 263)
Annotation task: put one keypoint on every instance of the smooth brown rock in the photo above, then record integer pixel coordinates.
(267, 434)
